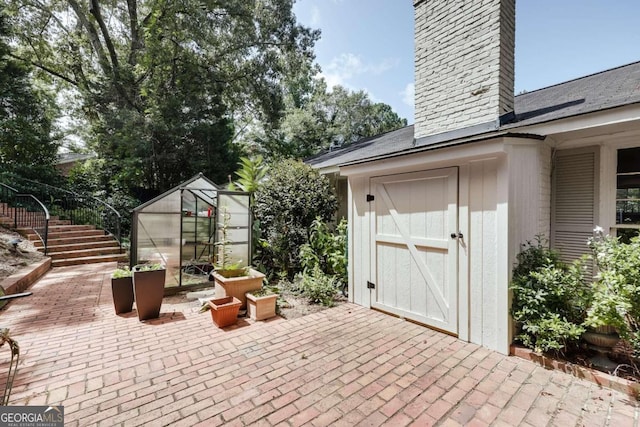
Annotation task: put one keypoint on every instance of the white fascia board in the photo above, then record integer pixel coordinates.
(331, 170)
(428, 159)
(585, 121)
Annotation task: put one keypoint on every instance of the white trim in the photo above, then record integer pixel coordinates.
(463, 255)
(329, 170)
(585, 121)
(428, 159)
(504, 323)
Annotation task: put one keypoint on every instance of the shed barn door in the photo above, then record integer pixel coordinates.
(414, 257)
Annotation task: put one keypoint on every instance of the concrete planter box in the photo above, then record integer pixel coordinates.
(237, 287)
(261, 308)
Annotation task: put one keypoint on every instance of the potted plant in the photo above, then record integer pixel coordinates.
(224, 311)
(122, 290)
(261, 304)
(148, 289)
(233, 278)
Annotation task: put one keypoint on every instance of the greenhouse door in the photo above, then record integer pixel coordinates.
(414, 257)
(234, 228)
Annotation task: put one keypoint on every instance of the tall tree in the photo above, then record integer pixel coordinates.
(163, 81)
(26, 145)
(326, 118)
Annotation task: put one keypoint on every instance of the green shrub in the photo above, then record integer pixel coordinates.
(318, 287)
(287, 203)
(326, 249)
(616, 300)
(550, 298)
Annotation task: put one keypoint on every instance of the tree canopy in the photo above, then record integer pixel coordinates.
(162, 83)
(324, 119)
(25, 122)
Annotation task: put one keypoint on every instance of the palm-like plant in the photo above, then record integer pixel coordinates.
(251, 173)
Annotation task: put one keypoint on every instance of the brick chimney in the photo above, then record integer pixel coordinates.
(464, 65)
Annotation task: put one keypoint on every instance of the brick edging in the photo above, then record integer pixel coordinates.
(602, 379)
(25, 277)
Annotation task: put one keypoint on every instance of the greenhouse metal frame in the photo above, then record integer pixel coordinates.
(181, 229)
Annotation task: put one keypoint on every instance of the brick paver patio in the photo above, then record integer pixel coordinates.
(344, 366)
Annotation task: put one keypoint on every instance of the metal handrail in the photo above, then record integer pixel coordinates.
(26, 210)
(43, 234)
(79, 208)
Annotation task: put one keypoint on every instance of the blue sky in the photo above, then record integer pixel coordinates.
(368, 44)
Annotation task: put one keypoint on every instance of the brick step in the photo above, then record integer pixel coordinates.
(89, 260)
(24, 225)
(84, 253)
(55, 222)
(73, 240)
(67, 234)
(8, 221)
(69, 227)
(77, 246)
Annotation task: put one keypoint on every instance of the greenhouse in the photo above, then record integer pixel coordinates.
(182, 229)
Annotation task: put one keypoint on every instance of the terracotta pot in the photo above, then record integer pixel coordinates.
(122, 290)
(224, 311)
(261, 308)
(237, 287)
(148, 289)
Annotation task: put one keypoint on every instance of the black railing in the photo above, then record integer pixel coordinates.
(80, 209)
(25, 211)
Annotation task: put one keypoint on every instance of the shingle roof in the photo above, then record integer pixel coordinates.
(608, 89)
(596, 92)
(375, 146)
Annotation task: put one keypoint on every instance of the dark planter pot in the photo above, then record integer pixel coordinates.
(148, 288)
(122, 290)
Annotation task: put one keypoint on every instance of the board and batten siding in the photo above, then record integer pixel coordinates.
(483, 253)
(574, 200)
(482, 284)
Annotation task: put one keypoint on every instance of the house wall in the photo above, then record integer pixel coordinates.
(464, 61)
(503, 200)
(608, 141)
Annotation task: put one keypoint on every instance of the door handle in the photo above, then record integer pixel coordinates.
(457, 235)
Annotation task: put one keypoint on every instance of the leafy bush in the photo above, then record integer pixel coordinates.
(287, 203)
(318, 287)
(120, 273)
(616, 300)
(326, 249)
(550, 298)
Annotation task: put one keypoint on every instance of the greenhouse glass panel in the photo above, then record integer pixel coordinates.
(158, 242)
(234, 228)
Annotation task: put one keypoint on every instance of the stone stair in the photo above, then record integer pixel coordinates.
(77, 244)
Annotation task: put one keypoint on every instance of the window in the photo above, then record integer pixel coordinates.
(628, 193)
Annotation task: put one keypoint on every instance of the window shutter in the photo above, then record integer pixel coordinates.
(574, 201)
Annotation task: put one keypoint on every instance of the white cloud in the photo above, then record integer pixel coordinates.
(315, 16)
(408, 94)
(347, 65)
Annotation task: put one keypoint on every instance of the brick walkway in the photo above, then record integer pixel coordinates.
(344, 366)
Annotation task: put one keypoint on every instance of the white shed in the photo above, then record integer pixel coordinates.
(436, 218)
